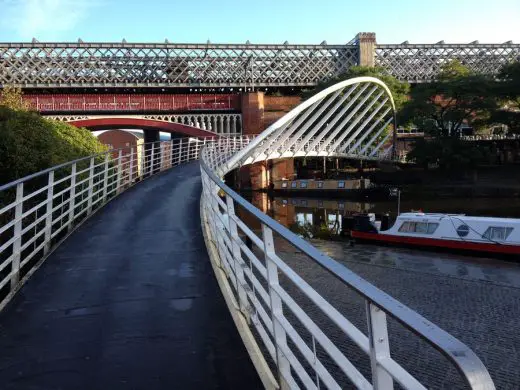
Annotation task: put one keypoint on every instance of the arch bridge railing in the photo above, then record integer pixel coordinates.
(306, 339)
(38, 211)
(316, 323)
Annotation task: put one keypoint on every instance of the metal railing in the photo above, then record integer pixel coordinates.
(275, 300)
(37, 211)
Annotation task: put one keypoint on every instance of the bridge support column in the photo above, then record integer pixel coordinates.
(152, 149)
(367, 49)
(252, 113)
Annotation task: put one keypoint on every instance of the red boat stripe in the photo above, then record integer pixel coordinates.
(451, 244)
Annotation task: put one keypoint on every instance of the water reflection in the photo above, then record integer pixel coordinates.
(322, 218)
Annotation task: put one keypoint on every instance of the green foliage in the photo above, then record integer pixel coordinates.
(11, 97)
(507, 92)
(441, 107)
(399, 89)
(29, 143)
(447, 153)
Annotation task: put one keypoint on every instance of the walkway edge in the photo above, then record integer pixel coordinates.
(254, 351)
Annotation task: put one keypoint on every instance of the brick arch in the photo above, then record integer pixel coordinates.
(139, 123)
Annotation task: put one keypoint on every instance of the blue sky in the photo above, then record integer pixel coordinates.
(265, 21)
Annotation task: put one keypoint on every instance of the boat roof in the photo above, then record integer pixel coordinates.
(462, 217)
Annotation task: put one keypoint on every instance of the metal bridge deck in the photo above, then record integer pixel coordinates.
(129, 301)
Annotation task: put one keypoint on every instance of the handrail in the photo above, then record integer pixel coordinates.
(38, 215)
(466, 361)
(68, 163)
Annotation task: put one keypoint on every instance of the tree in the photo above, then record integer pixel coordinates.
(30, 143)
(449, 154)
(398, 88)
(12, 97)
(441, 107)
(507, 93)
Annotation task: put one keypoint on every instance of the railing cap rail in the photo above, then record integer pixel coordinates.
(464, 359)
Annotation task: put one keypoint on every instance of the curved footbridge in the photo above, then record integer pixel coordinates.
(128, 301)
(117, 272)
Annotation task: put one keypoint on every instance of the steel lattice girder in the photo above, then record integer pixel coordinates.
(422, 63)
(33, 65)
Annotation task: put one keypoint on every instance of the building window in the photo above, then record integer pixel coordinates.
(341, 184)
(320, 184)
(497, 233)
(284, 184)
(127, 144)
(293, 184)
(419, 227)
(303, 184)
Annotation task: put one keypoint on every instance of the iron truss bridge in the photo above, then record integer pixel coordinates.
(170, 65)
(165, 65)
(421, 63)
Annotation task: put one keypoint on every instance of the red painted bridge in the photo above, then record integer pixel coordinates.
(135, 102)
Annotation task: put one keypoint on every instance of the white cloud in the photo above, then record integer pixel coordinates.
(43, 19)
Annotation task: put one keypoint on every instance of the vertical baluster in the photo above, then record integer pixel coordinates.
(105, 177)
(72, 196)
(119, 171)
(143, 160)
(237, 257)
(379, 346)
(90, 185)
(48, 214)
(280, 336)
(131, 168)
(15, 276)
(152, 158)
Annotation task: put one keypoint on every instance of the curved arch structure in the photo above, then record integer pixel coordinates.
(354, 118)
(140, 123)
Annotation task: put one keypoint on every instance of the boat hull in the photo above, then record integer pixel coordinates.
(424, 242)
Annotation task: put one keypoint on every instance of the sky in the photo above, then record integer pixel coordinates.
(265, 21)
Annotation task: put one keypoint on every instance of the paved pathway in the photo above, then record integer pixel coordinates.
(129, 301)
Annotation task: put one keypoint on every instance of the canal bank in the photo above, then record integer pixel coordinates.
(475, 299)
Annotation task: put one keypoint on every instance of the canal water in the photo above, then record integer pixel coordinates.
(476, 299)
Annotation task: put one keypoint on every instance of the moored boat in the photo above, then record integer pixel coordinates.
(484, 235)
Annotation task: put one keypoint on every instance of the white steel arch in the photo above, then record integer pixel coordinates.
(353, 118)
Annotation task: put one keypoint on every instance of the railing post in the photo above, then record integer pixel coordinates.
(180, 152)
(188, 151)
(119, 170)
(15, 277)
(72, 196)
(237, 257)
(280, 336)
(131, 168)
(162, 154)
(105, 178)
(379, 346)
(48, 213)
(152, 159)
(90, 185)
(143, 160)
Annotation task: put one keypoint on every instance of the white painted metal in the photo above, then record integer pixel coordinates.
(72, 191)
(312, 129)
(286, 344)
(261, 267)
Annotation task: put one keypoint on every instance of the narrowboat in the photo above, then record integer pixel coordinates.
(483, 235)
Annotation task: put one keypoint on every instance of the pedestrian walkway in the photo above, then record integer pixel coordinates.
(129, 301)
